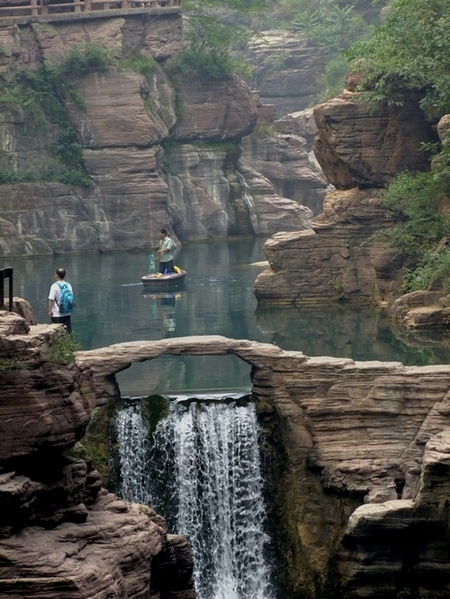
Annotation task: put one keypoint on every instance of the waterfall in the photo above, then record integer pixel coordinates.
(133, 449)
(203, 475)
(249, 202)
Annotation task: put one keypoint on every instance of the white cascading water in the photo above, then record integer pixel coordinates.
(203, 475)
(249, 202)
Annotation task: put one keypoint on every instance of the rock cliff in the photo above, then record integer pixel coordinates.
(61, 533)
(356, 458)
(155, 152)
(344, 257)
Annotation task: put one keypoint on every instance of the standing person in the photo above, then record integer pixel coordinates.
(54, 300)
(165, 252)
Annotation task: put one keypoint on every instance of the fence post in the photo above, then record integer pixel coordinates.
(6, 273)
(34, 8)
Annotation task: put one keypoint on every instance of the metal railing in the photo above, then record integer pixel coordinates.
(6, 273)
(48, 7)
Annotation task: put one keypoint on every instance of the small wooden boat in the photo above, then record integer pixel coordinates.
(158, 282)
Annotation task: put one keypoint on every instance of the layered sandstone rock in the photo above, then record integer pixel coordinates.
(359, 454)
(285, 161)
(125, 120)
(344, 256)
(223, 111)
(352, 151)
(61, 534)
(285, 70)
(341, 258)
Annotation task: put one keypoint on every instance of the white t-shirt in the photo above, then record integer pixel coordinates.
(55, 295)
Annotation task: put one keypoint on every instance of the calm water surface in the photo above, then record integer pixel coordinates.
(218, 300)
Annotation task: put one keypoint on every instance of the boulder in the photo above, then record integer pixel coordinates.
(336, 260)
(352, 152)
(218, 111)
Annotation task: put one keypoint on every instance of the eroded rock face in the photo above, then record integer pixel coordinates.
(285, 71)
(221, 111)
(60, 532)
(359, 450)
(357, 145)
(336, 260)
(90, 559)
(284, 161)
(122, 124)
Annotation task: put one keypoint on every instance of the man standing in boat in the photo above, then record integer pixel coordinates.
(165, 253)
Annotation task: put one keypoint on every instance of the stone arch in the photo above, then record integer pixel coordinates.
(106, 362)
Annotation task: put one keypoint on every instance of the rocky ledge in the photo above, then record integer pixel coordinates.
(357, 462)
(61, 533)
(357, 466)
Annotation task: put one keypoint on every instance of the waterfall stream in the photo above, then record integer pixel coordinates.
(249, 202)
(201, 471)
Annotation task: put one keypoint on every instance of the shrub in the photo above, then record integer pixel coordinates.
(61, 350)
(408, 49)
(412, 201)
(146, 65)
(83, 58)
(432, 270)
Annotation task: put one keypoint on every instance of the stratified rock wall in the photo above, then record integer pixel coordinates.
(356, 455)
(286, 71)
(366, 146)
(136, 133)
(344, 256)
(341, 258)
(283, 160)
(61, 534)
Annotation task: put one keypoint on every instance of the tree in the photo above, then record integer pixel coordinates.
(409, 50)
(213, 29)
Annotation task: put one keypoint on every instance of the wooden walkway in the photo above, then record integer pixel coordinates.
(36, 8)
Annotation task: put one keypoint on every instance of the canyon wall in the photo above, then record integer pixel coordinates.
(344, 255)
(156, 151)
(61, 532)
(356, 458)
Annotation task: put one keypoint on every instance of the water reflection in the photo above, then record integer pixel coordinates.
(113, 307)
(162, 310)
(351, 332)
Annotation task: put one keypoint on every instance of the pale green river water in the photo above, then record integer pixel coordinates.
(218, 299)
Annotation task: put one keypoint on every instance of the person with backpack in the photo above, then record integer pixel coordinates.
(60, 300)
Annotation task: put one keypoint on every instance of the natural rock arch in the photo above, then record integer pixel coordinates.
(106, 362)
(359, 459)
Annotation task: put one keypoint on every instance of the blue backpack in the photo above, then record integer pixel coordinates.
(66, 301)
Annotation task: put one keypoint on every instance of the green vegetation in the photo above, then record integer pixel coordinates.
(214, 28)
(8, 364)
(421, 228)
(262, 130)
(61, 350)
(11, 177)
(413, 201)
(38, 94)
(332, 82)
(154, 408)
(96, 447)
(328, 25)
(409, 49)
(408, 52)
(141, 63)
(82, 59)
